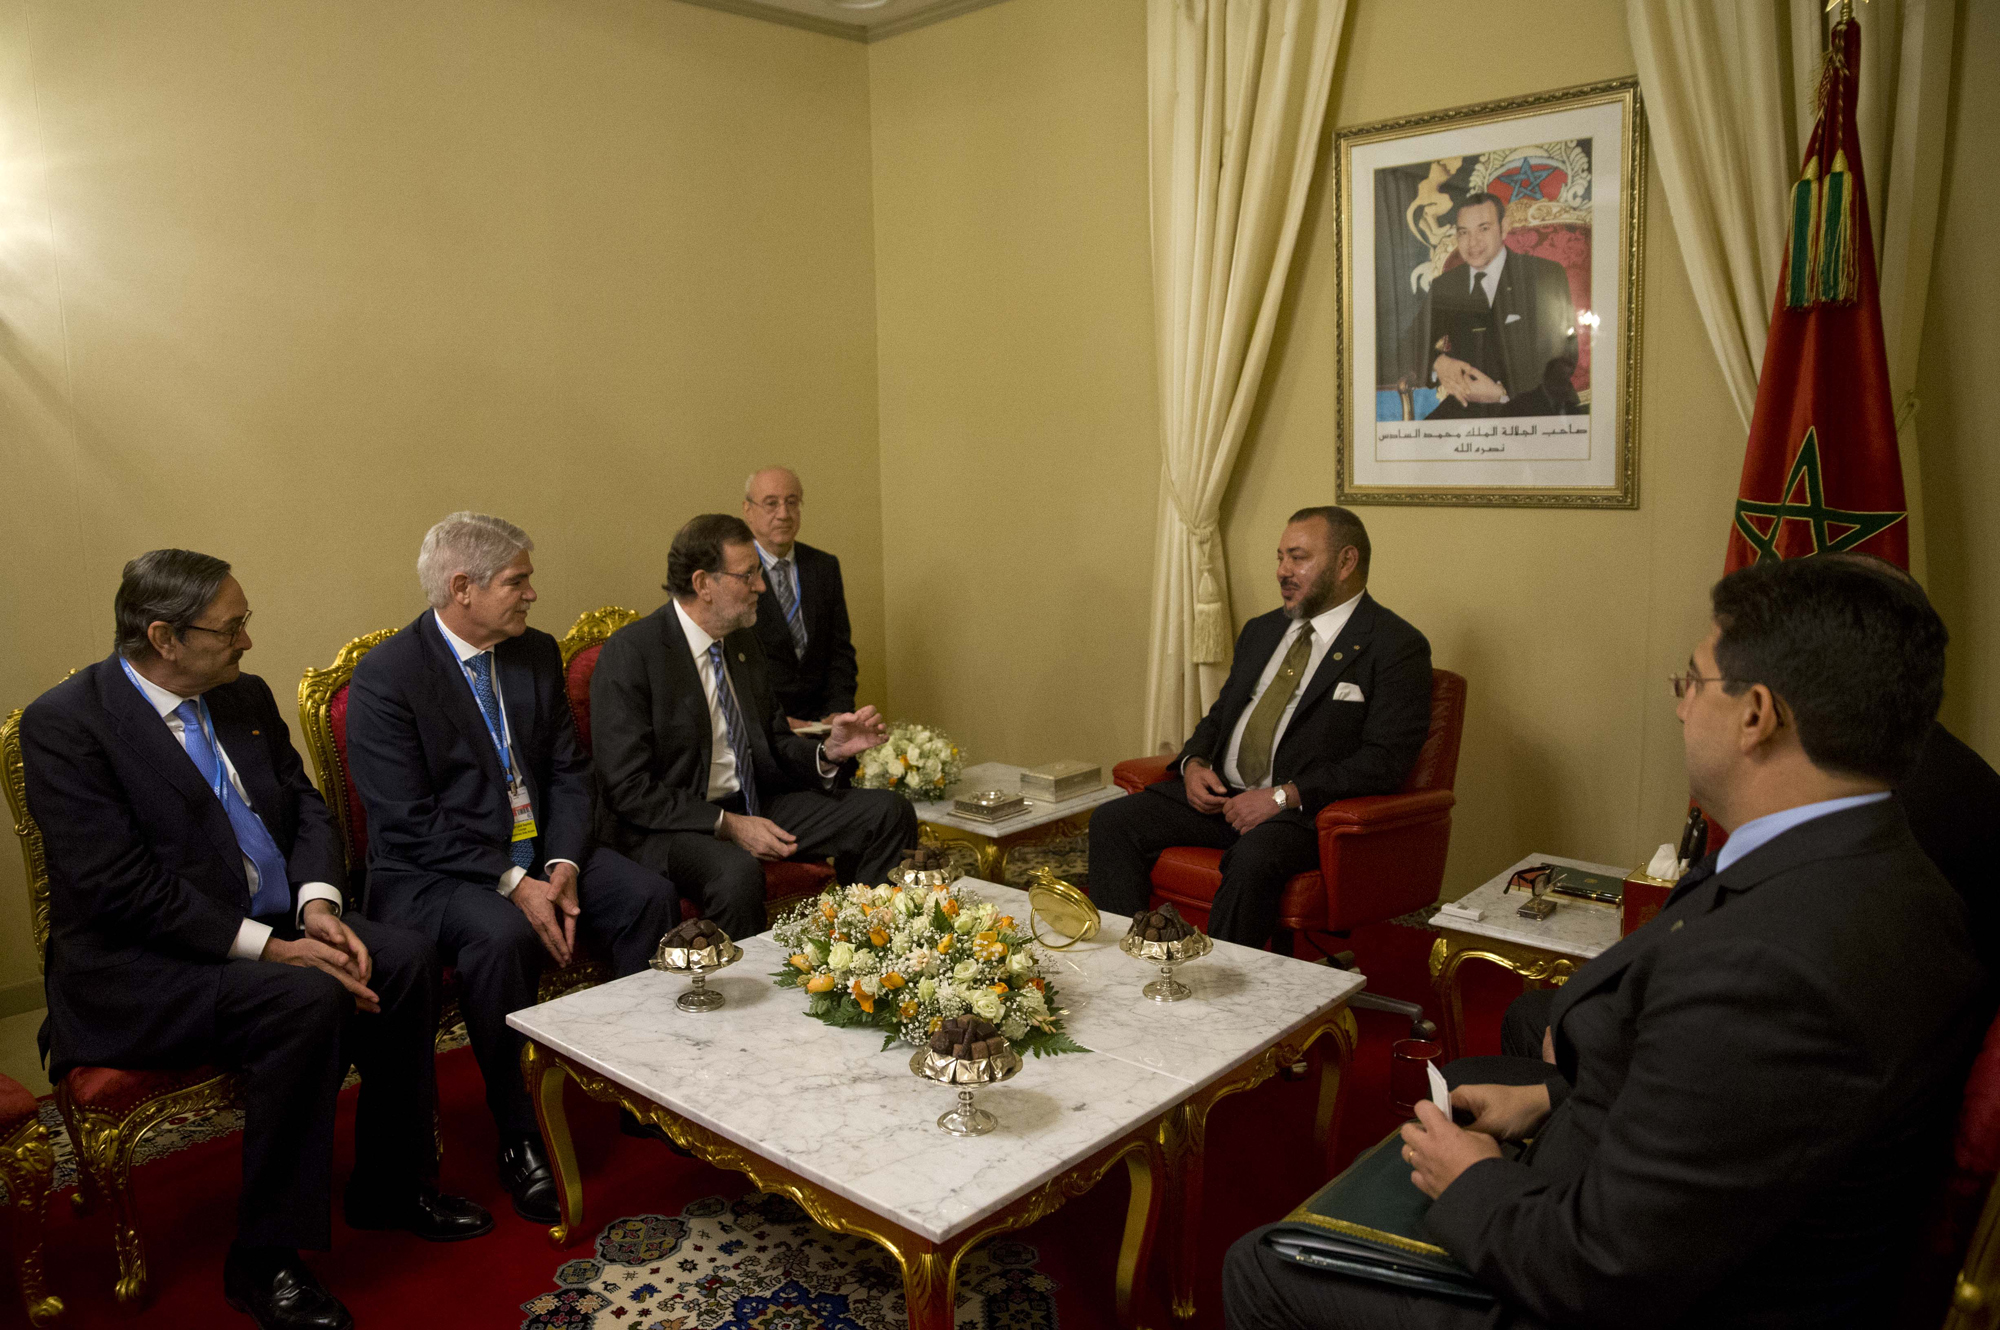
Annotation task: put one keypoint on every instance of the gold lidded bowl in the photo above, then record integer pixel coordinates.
(1063, 908)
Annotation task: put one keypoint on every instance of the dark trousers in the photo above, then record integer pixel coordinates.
(864, 832)
(1127, 835)
(293, 1031)
(499, 960)
(1263, 1291)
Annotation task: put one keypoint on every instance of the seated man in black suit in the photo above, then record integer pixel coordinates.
(1500, 326)
(1758, 1087)
(196, 916)
(698, 774)
(1328, 697)
(460, 740)
(802, 614)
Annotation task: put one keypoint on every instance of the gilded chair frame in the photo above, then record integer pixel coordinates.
(593, 627)
(316, 690)
(104, 1140)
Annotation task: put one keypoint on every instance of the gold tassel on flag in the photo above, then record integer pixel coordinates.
(1802, 247)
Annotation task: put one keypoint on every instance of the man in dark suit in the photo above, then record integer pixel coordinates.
(1758, 1087)
(1328, 697)
(698, 774)
(802, 613)
(1501, 325)
(460, 740)
(196, 915)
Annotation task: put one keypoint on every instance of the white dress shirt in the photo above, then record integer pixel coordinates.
(1324, 627)
(722, 778)
(465, 651)
(250, 934)
(1493, 269)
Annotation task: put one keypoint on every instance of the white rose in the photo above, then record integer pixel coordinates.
(962, 924)
(965, 970)
(840, 955)
(871, 986)
(986, 1003)
(927, 990)
(1029, 1003)
(1020, 962)
(1014, 1028)
(987, 913)
(881, 895)
(816, 952)
(907, 904)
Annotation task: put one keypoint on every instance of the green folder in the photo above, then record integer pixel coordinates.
(1366, 1224)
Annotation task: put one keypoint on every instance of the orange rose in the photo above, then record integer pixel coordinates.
(803, 962)
(828, 910)
(1001, 989)
(951, 908)
(892, 980)
(1039, 985)
(878, 937)
(819, 983)
(1005, 921)
(908, 1011)
(867, 1002)
(944, 944)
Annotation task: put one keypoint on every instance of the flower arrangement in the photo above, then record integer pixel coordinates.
(921, 762)
(903, 960)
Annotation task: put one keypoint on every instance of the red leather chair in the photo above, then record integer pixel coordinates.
(1380, 855)
(784, 881)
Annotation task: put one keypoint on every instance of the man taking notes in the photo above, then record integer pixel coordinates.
(1329, 697)
(459, 738)
(698, 773)
(802, 614)
(196, 915)
(1758, 1087)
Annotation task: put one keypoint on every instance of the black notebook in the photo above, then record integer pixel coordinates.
(1367, 1224)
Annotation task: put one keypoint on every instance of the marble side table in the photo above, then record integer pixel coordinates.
(828, 1118)
(1543, 952)
(1041, 821)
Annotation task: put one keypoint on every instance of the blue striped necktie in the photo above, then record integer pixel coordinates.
(788, 601)
(522, 852)
(739, 733)
(274, 888)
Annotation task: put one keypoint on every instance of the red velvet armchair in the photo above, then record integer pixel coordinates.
(581, 646)
(1380, 855)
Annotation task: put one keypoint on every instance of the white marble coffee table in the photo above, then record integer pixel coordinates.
(991, 841)
(828, 1118)
(1542, 951)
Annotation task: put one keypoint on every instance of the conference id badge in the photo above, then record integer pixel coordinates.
(524, 809)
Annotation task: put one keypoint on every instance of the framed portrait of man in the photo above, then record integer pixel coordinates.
(1489, 262)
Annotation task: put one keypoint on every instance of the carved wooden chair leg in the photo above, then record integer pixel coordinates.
(88, 1194)
(104, 1146)
(28, 1164)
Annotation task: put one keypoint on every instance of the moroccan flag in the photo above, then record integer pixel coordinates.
(1820, 471)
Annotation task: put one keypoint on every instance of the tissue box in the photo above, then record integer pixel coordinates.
(1644, 895)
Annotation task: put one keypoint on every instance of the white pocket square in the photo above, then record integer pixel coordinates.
(1512, 318)
(1347, 692)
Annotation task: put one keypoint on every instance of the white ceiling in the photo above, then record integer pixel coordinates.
(856, 20)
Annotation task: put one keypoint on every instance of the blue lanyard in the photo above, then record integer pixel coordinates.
(215, 782)
(500, 744)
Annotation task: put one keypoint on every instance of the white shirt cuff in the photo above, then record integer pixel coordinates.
(721, 816)
(819, 760)
(315, 891)
(510, 880)
(571, 862)
(250, 939)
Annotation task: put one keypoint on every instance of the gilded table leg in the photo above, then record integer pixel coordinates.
(545, 1077)
(930, 1280)
(27, 1162)
(1345, 1038)
(1146, 1169)
(1446, 957)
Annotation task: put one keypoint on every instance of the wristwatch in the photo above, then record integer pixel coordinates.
(1278, 793)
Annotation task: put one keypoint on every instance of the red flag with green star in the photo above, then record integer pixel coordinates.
(1821, 470)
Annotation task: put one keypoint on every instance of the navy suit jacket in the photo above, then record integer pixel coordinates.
(146, 881)
(1332, 749)
(424, 762)
(820, 683)
(1764, 1081)
(651, 732)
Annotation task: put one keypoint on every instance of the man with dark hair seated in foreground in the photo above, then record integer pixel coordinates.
(1758, 1087)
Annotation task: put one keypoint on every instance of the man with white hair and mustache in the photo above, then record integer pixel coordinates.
(1329, 697)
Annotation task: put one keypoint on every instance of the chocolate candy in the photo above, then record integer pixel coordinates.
(1161, 925)
(696, 934)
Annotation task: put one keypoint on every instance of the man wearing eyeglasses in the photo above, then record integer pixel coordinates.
(197, 916)
(1757, 1089)
(802, 614)
(698, 774)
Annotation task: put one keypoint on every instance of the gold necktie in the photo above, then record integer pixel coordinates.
(1253, 758)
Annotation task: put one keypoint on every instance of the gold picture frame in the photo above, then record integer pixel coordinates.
(1415, 246)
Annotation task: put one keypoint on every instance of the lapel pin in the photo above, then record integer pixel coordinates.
(740, 657)
(1337, 655)
(256, 731)
(1677, 926)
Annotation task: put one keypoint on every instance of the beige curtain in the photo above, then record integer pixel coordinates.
(1238, 92)
(1729, 90)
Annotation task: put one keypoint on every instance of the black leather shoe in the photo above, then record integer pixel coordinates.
(278, 1292)
(525, 1173)
(630, 1124)
(427, 1212)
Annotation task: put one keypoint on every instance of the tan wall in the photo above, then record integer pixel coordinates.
(1017, 394)
(1959, 421)
(288, 281)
